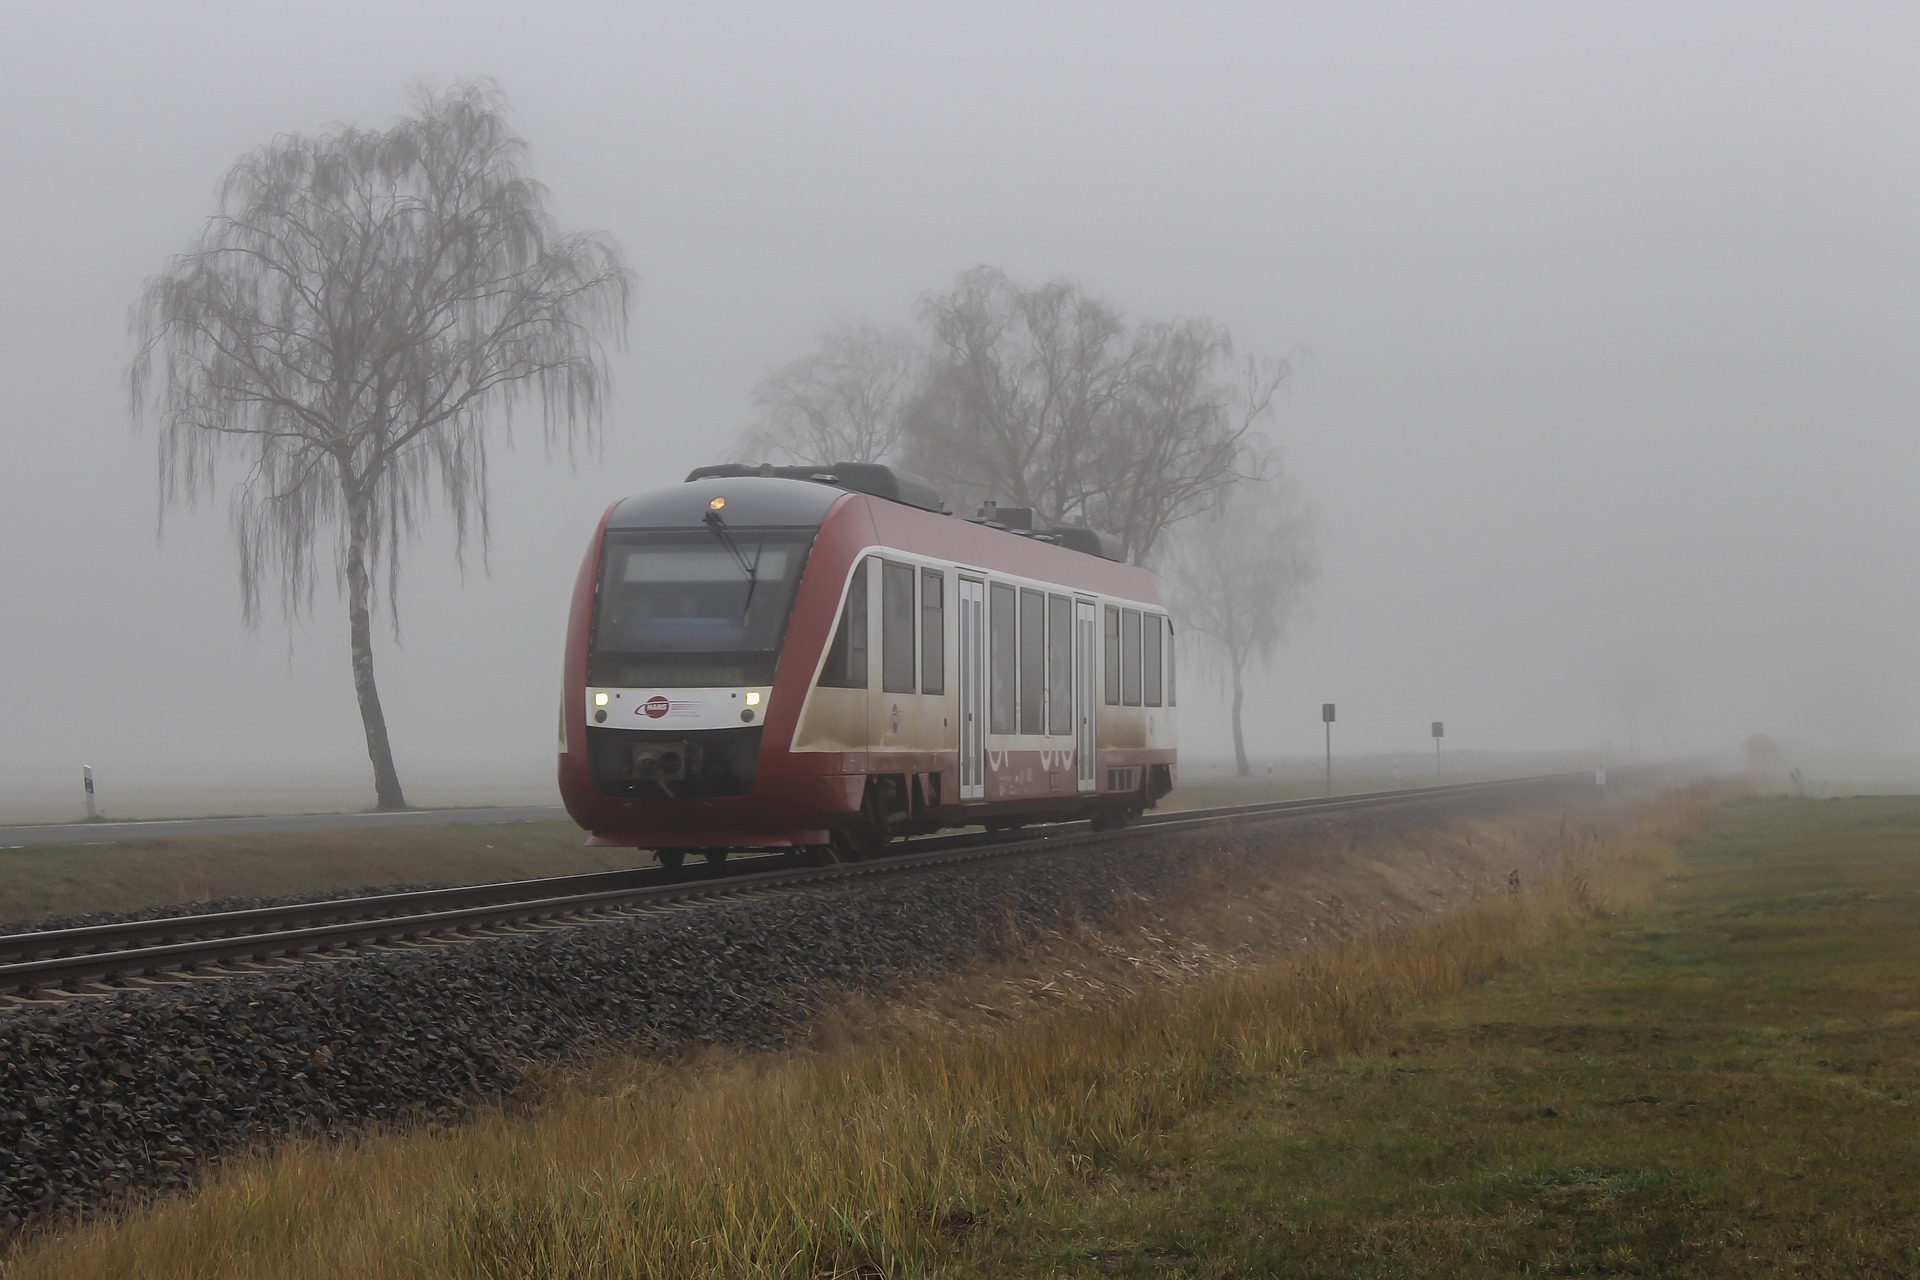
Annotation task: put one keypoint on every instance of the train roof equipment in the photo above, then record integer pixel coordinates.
(873, 478)
(878, 480)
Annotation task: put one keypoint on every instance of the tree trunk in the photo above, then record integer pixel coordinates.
(386, 780)
(1240, 764)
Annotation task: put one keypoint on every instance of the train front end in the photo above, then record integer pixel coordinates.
(676, 716)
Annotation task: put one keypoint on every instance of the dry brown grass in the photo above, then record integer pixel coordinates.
(869, 1152)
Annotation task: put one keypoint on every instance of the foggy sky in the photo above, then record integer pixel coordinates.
(1611, 312)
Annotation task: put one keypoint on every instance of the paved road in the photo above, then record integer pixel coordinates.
(104, 832)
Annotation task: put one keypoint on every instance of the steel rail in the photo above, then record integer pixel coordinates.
(144, 948)
(122, 935)
(125, 934)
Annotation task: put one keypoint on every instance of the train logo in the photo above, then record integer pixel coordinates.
(655, 707)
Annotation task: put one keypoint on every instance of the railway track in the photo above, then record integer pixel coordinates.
(98, 959)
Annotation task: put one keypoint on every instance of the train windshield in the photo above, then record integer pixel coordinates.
(701, 609)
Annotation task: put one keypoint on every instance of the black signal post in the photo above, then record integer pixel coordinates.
(1326, 718)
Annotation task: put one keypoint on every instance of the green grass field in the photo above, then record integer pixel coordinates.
(66, 879)
(1722, 1085)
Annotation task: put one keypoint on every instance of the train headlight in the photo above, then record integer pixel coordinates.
(599, 699)
(753, 699)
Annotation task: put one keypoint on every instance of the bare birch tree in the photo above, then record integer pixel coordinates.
(843, 401)
(1238, 575)
(1183, 435)
(356, 314)
(1021, 382)
(1046, 397)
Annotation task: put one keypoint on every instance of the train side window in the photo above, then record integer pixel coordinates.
(1111, 652)
(1153, 630)
(1172, 666)
(846, 666)
(1033, 662)
(896, 627)
(1059, 664)
(933, 631)
(1152, 641)
(1001, 647)
(1130, 657)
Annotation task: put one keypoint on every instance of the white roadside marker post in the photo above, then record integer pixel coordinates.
(86, 780)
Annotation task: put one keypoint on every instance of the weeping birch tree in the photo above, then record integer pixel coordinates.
(359, 312)
(1238, 575)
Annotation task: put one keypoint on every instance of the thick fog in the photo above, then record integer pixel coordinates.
(1609, 418)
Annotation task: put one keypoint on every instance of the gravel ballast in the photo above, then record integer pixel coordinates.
(105, 1098)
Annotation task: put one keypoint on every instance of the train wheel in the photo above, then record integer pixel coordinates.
(714, 857)
(670, 858)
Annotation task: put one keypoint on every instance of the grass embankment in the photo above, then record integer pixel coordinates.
(130, 875)
(1722, 1086)
(899, 1150)
(69, 879)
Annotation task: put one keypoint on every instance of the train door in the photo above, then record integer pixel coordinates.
(971, 686)
(1086, 688)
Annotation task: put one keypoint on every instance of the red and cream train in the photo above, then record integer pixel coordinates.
(822, 658)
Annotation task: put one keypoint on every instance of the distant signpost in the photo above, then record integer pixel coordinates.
(1326, 718)
(1439, 732)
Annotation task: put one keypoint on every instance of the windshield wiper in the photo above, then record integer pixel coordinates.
(751, 568)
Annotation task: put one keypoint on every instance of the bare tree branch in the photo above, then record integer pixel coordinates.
(1044, 396)
(843, 401)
